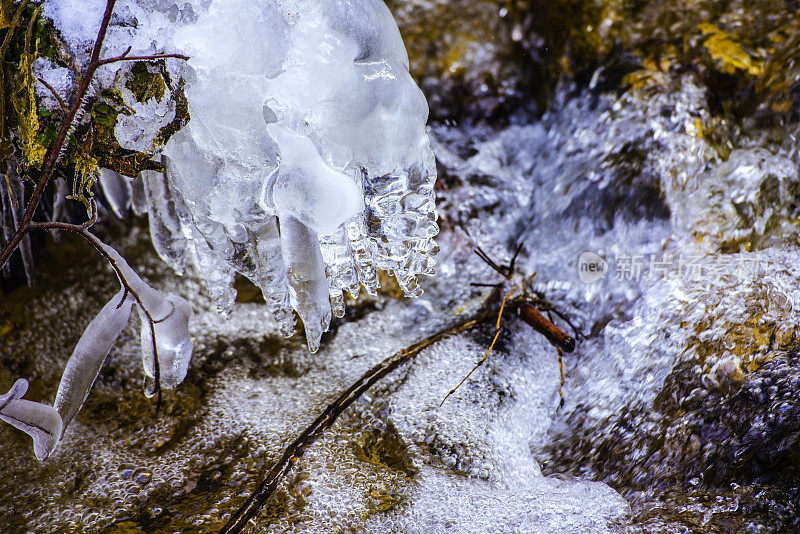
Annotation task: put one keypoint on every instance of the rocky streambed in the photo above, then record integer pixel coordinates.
(649, 166)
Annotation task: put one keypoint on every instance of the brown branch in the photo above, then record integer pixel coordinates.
(125, 57)
(266, 490)
(492, 308)
(52, 154)
(55, 94)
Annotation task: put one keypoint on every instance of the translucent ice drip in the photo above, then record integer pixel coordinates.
(170, 316)
(40, 421)
(89, 355)
(306, 165)
(309, 289)
(173, 343)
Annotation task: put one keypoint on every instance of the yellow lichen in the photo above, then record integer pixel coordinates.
(729, 54)
(86, 174)
(23, 100)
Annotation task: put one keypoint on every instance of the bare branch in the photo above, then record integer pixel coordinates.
(55, 94)
(55, 149)
(154, 57)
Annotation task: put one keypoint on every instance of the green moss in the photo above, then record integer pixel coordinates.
(28, 129)
(146, 82)
(104, 147)
(181, 116)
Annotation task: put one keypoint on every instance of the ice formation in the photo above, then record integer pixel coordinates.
(165, 316)
(170, 315)
(40, 421)
(89, 355)
(305, 165)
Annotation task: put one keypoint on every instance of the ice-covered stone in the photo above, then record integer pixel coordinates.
(40, 421)
(89, 355)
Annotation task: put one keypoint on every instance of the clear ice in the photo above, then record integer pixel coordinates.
(89, 355)
(304, 120)
(305, 166)
(170, 315)
(174, 346)
(40, 421)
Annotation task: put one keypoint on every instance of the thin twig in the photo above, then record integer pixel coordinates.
(266, 490)
(480, 362)
(125, 57)
(55, 94)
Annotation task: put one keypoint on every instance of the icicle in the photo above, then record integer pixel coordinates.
(362, 255)
(271, 274)
(173, 343)
(164, 208)
(217, 276)
(6, 221)
(307, 280)
(337, 302)
(117, 190)
(17, 207)
(61, 194)
(15, 393)
(138, 196)
(89, 355)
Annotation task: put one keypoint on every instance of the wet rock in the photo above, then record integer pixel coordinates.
(750, 201)
(715, 422)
